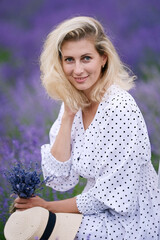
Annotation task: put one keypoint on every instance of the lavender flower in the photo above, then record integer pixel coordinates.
(23, 182)
(36, 238)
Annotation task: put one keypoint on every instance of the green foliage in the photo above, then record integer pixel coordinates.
(155, 161)
(1, 231)
(4, 55)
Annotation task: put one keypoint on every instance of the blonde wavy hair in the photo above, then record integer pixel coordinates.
(53, 78)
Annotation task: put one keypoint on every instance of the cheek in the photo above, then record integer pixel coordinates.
(67, 69)
(97, 70)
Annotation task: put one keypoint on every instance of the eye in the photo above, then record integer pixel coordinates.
(87, 58)
(69, 59)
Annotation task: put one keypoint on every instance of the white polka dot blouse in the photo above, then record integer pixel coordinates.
(121, 199)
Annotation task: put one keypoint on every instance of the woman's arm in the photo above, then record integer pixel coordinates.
(56, 156)
(65, 206)
(62, 146)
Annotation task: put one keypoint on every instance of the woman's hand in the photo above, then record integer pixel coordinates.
(22, 203)
(68, 112)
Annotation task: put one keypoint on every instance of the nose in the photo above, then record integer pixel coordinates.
(78, 68)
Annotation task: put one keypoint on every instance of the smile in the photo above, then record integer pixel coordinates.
(80, 79)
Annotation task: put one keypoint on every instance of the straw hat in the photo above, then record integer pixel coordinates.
(39, 224)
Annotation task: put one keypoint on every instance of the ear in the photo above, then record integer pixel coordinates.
(104, 60)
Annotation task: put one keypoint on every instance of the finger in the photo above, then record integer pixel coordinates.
(20, 210)
(21, 200)
(21, 206)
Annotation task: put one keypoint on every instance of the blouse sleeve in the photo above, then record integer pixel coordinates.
(122, 147)
(61, 174)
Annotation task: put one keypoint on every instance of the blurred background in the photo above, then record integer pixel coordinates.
(26, 112)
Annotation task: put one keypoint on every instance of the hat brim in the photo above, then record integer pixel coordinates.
(39, 222)
(66, 227)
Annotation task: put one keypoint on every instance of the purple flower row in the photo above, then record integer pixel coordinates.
(134, 28)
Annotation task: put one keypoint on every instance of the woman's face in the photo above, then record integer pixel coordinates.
(82, 64)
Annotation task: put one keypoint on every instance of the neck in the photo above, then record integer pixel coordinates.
(92, 107)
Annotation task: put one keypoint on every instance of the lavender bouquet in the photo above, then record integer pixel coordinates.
(24, 183)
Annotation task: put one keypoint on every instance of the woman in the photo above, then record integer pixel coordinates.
(100, 134)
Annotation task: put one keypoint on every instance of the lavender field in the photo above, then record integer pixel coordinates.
(26, 112)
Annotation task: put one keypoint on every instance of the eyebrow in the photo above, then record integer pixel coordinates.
(83, 55)
(86, 54)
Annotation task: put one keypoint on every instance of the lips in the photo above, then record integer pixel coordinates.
(80, 79)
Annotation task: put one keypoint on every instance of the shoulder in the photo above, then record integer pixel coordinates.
(118, 103)
(117, 98)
